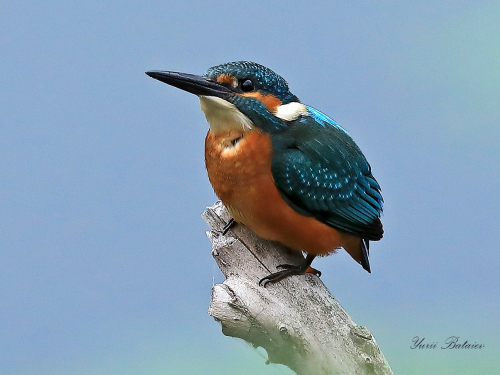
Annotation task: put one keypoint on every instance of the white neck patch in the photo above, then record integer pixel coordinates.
(223, 116)
(291, 111)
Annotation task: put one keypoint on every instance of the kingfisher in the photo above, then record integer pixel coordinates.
(282, 168)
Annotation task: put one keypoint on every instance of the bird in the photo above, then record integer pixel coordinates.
(282, 168)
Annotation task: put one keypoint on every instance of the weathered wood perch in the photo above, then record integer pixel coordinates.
(297, 321)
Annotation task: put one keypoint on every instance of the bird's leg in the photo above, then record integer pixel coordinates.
(228, 226)
(289, 270)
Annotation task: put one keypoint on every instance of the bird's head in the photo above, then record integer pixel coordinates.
(239, 95)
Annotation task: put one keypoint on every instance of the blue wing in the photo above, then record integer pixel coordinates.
(321, 172)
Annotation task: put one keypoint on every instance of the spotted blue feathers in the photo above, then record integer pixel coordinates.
(321, 172)
(264, 78)
(317, 167)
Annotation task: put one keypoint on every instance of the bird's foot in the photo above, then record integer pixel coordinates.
(288, 270)
(231, 223)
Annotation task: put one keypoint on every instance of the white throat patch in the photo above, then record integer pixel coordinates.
(291, 111)
(223, 116)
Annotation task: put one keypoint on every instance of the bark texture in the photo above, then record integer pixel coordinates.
(297, 321)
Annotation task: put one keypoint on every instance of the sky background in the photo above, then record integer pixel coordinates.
(104, 264)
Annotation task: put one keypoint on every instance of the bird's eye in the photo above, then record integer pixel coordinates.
(246, 85)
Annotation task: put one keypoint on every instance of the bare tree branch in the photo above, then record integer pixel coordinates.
(297, 320)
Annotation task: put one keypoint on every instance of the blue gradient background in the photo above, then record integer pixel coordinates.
(104, 263)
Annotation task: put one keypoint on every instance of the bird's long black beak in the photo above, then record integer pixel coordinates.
(194, 84)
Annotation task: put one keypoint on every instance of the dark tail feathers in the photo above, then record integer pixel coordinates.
(365, 248)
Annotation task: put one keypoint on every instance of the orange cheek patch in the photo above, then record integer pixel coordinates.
(270, 101)
(226, 78)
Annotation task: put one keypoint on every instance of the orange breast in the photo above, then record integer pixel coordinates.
(239, 169)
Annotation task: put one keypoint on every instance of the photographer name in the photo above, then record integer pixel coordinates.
(452, 342)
